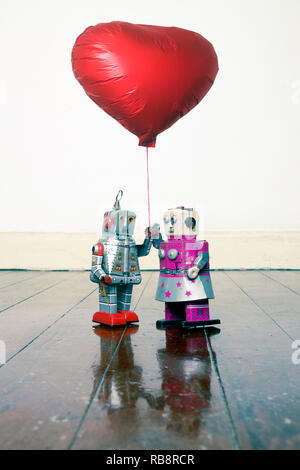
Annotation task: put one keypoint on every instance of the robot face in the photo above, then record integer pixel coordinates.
(109, 224)
(118, 223)
(181, 221)
(126, 223)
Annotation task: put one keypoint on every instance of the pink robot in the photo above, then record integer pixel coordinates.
(184, 282)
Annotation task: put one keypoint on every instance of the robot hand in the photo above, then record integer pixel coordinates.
(147, 232)
(193, 272)
(153, 232)
(106, 279)
(97, 276)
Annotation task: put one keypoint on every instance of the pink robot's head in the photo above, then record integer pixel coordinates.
(181, 222)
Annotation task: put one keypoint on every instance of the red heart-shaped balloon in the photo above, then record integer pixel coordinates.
(146, 77)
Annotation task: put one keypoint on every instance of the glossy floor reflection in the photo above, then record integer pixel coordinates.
(123, 386)
(185, 378)
(69, 385)
(154, 389)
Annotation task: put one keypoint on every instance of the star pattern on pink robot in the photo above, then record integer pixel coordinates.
(178, 284)
(162, 285)
(167, 294)
(188, 293)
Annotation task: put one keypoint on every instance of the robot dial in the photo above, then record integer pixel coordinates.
(172, 254)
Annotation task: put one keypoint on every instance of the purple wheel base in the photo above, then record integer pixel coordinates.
(161, 324)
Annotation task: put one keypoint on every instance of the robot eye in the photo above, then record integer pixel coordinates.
(130, 219)
(173, 220)
(122, 218)
(190, 222)
(166, 220)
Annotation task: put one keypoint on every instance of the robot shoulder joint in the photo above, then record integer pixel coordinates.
(98, 249)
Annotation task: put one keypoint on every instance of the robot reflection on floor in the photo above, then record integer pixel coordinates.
(184, 282)
(115, 266)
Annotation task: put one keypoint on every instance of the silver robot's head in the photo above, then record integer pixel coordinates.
(118, 223)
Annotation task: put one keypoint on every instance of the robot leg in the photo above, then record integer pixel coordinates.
(124, 300)
(174, 315)
(174, 311)
(197, 310)
(197, 314)
(108, 311)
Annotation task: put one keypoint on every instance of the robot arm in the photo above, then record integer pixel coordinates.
(153, 237)
(201, 260)
(156, 236)
(144, 249)
(96, 270)
(157, 241)
(198, 264)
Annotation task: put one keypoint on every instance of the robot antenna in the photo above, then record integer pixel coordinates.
(118, 199)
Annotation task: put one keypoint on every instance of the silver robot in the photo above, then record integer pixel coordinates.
(115, 265)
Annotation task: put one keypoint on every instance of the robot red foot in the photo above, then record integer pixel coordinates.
(115, 319)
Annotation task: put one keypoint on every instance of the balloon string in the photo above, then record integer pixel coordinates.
(148, 190)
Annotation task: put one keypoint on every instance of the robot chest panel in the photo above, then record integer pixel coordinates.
(171, 255)
(191, 250)
(133, 264)
(175, 255)
(121, 259)
(110, 256)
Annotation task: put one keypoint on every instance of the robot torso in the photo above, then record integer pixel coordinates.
(176, 257)
(120, 260)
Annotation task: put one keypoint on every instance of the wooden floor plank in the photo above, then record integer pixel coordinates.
(24, 322)
(290, 279)
(275, 300)
(14, 294)
(15, 277)
(4, 272)
(254, 359)
(46, 388)
(160, 392)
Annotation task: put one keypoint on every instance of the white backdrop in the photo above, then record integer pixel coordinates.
(236, 155)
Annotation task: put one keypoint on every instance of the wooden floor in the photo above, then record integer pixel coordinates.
(67, 385)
